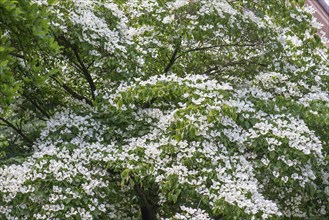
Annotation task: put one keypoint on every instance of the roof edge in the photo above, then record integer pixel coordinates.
(324, 5)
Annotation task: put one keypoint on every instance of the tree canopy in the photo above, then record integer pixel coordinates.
(181, 109)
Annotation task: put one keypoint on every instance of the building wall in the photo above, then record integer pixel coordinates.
(322, 14)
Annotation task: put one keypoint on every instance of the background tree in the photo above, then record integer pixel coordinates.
(184, 109)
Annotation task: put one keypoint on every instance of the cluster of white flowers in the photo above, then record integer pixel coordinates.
(164, 167)
(78, 172)
(95, 28)
(204, 127)
(191, 214)
(223, 140)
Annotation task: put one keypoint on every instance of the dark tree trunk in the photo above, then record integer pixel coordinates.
(218, 217)
(148, 213)
(148, 204)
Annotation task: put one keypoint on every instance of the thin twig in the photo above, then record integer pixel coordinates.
(19, 131)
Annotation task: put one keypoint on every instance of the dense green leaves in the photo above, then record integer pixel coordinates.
(162, 110)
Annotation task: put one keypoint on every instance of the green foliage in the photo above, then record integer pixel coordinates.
(179, 109)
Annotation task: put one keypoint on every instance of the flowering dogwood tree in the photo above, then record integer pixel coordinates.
(171, 109)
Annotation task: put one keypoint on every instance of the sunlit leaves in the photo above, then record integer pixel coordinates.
(186, 109)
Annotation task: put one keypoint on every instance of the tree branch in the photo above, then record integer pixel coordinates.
(172, 59)
(216, 46)
(17, 55)
(72, 92)
(218, 67)
(148, 207)
(18, 131)
(148, 210)
(44, 112)
(80, 64)
(85, 73)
